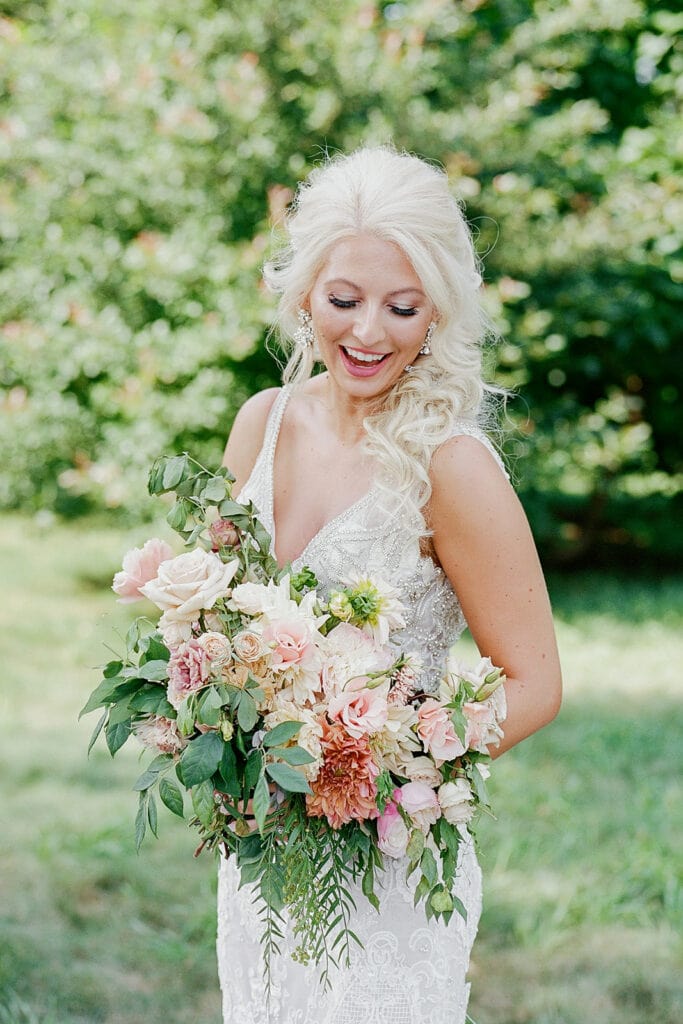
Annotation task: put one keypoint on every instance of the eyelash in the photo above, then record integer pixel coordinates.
(351, 303)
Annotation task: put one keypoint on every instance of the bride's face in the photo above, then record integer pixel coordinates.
(370, 314)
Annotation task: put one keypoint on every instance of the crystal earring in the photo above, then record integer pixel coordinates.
(303, 335)
(426, 349)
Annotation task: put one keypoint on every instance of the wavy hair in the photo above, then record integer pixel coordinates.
(401, 199)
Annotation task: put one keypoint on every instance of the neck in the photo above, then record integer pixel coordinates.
(345, 411)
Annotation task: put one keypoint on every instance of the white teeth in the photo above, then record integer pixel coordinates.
(365, 357)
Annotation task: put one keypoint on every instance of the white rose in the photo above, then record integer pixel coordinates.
(455, 800)
(188, 584)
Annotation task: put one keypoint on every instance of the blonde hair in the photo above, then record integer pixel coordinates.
(404, 200)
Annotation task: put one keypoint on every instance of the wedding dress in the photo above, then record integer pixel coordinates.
(410, 970)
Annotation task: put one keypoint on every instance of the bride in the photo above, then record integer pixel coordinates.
(379, 464)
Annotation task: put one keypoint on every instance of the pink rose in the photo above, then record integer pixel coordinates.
(140, 565)
(436, 731)
(360, 711)
(421, 803)
(290, 641)
(188, 671)
(223, 534)
(392, 832)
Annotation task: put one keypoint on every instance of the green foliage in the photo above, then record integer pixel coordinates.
(147, 153)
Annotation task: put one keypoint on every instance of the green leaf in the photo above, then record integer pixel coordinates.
(215, 490)
(247, 712)
(261, 801)
(281, 733)
(112, 669)
(152, 814)
(116, 735)
(459, 724)
(421, 891)
(292, 755)
(155, 649)
(153, 671)
(150, 700)
(228, 770)
(185, 717)
(203, 802)
(253, 769)
(97, 730)
(178, 514)
(288, 778)
(441, 900)
(100, 696)
(460, 907)
(171, 797)
(145, 780)
(173, 471)
(416, 845)
(368, 886)
(141, 821)
(450, 837)
(428, 867)
(201, 758)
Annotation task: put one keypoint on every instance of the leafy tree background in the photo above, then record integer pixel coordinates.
(149, 150)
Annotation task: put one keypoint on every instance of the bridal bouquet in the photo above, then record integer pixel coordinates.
(291, 723)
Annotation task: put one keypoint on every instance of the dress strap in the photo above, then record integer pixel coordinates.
(469, 429)
(272, 432)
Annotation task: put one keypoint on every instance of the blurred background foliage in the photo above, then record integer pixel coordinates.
(148, 152)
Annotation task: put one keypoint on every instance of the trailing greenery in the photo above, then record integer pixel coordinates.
(148, 150)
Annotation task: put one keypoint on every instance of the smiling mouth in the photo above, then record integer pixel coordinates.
(366, 359)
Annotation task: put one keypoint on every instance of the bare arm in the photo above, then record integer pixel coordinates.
(484, 544)
(246, 436)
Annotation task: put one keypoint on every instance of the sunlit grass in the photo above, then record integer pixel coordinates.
(583, 907)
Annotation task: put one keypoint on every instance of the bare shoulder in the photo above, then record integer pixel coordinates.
(465, 474)
(246, 436)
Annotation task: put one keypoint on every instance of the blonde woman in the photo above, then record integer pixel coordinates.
(379, 464)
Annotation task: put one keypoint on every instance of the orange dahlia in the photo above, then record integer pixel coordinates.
(345, 787)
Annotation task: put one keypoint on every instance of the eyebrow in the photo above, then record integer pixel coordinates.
(351, 284)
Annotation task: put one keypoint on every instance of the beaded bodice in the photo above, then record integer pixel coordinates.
(369, 539)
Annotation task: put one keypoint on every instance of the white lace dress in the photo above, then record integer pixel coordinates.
(411, 970)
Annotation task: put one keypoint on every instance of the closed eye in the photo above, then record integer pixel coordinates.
(343, 303)
(404, 310)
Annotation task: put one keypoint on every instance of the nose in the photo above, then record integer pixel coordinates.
(368, 328)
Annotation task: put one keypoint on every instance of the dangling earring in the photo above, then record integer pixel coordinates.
(303, 335)
(426, 349)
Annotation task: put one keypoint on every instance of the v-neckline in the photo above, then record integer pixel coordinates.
(271, 480)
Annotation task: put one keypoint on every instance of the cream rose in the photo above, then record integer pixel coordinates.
(249, 646)
(189, 584)
(216, 647)
(422, 769)
(455, 800)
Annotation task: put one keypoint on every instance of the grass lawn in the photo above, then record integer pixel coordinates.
(583, 905)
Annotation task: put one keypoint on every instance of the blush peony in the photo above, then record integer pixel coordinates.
(436, 731)
(188, 671)
(159, 733)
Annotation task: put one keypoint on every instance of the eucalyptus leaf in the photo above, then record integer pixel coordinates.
(293, 755)
(152, 814)
(97, 730)
(247, 712)
(141, 821)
